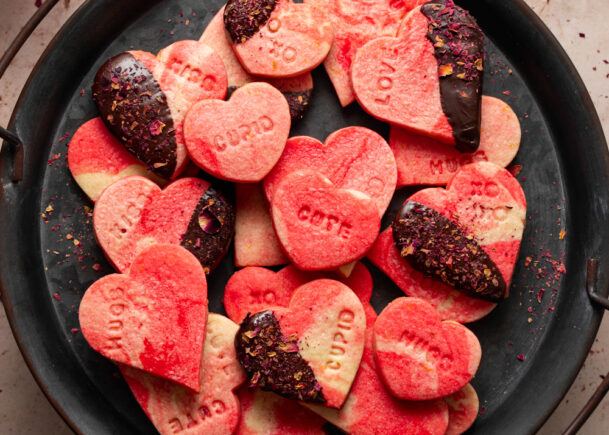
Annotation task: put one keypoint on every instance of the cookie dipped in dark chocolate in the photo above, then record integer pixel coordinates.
(440, 248)
(298, 102)
(135, 109)
(272, 362)
(210, 230)
(243, 18)
(458, 48)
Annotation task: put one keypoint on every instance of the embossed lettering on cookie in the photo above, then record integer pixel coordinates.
(134, 213)
(215, 409)
(429, 77)
(468, 235)
(298, 90)
(309, 351)
(143, 99)
(240, 139)
(278, 38)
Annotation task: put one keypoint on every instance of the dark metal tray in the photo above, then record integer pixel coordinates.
(565, 175)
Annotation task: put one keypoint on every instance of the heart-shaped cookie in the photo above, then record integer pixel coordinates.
(487, 201)
(134, 213)
(143, 99)
(240, 139)
(152, 318)
(264, 412)
(355, 23)
(427, 79)
(253, 289)
(423, 160)
(482, 207)
(297, 90)
(96, 159)
(352, 158)
(255, 241)
(451, 304)
(215, 410)
(320, 226)
(309, 351)
(370, 408)
(277, 38)
(463, 410)
(418, 356)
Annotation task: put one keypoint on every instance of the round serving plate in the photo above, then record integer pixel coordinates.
(533, 344)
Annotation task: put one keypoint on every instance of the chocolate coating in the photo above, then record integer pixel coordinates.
(210, 230)
(230, 90)
(134, 108)
(243, 18)
(298, 102)
(438, 247)
(458, 48)
(272, 362)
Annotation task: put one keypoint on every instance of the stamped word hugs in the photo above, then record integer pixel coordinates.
(320, 226)
(420, 357)
(240, 139)
(147, 320)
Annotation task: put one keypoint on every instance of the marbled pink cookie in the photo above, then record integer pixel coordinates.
(143, 99)
(355, 23)
(252, 289)
(133, 213)
(267, 413)
(418, 356)
(240, 139)
(297, 90)
(319, 225)
(371, 409)
(256, 243)
(463, 410)
(352, 158)
(488, 203)
(401, 79)
(316, 343)
(277, 38)
(96, 159)
(149, 319)
(423, 160)
(215, 410)
(451, 304)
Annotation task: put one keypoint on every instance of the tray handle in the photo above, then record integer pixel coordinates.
(11, 138)
(603, 388)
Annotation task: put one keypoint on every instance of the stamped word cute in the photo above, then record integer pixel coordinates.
(319, 225)
(325, 222)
